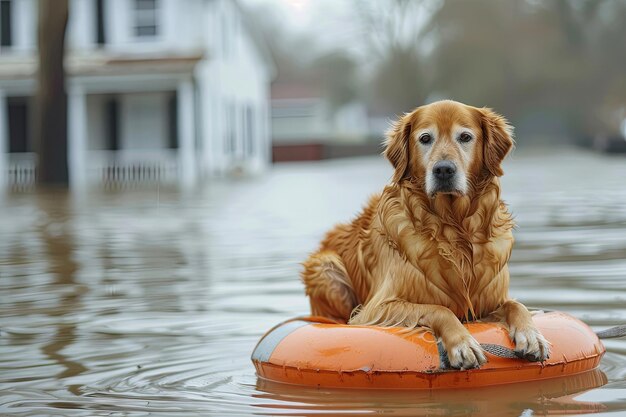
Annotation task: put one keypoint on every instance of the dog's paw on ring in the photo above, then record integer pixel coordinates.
(530, 344)
(466, 354)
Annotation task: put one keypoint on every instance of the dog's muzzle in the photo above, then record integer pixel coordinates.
(444, 175)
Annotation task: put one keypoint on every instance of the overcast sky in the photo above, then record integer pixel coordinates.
(329, 22)
(335, 24)
(304, 15)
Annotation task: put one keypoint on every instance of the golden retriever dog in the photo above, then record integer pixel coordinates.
(432, 249)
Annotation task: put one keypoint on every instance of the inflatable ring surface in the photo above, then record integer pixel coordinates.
(314, 351)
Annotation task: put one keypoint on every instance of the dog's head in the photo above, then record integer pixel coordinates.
(448, 146)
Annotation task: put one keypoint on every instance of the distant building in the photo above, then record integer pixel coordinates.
(301, 121)
(305, 126)
(158, 90)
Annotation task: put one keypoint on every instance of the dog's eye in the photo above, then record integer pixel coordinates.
(465, 137)
(425, 138)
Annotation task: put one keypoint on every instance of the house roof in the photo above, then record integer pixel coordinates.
(134, 64)
(295, 90)
(258, 38)
(22, 67)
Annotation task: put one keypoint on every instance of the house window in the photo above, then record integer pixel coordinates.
(18, 112)
(5, 23)
(112, 127)
(172, 112)
(100, 39)
(146, 18)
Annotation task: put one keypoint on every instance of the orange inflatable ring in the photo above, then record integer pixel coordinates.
(314, 351)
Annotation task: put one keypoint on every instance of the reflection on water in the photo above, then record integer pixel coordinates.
(542, 397)
(151, 302)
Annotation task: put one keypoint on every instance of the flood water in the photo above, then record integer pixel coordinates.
(150, 302)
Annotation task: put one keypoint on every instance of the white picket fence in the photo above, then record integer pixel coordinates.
(21, 171)
(110, 169)
(132, 167)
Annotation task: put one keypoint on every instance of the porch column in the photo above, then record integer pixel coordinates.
(186, 133)
(77, 137)
(4, 142)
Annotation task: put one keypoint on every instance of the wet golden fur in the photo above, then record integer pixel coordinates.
(415, 259)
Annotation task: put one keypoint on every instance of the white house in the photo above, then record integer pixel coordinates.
(158, 90)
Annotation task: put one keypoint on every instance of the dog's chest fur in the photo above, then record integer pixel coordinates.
(455, 261)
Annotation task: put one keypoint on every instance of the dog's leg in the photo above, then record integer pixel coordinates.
(328, 286)
(529, 343)
(463, 350)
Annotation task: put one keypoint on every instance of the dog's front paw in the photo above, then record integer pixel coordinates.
(466, 353)
(530, 344)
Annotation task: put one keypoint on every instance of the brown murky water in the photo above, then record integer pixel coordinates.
(151, 302)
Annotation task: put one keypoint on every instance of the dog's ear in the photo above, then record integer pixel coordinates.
(497, 140)
(397, 147)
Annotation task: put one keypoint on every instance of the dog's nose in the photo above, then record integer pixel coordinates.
(444, 170)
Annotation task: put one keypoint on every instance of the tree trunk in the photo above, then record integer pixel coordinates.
(50, 127)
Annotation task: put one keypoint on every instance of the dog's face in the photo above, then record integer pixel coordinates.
(448, 145)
